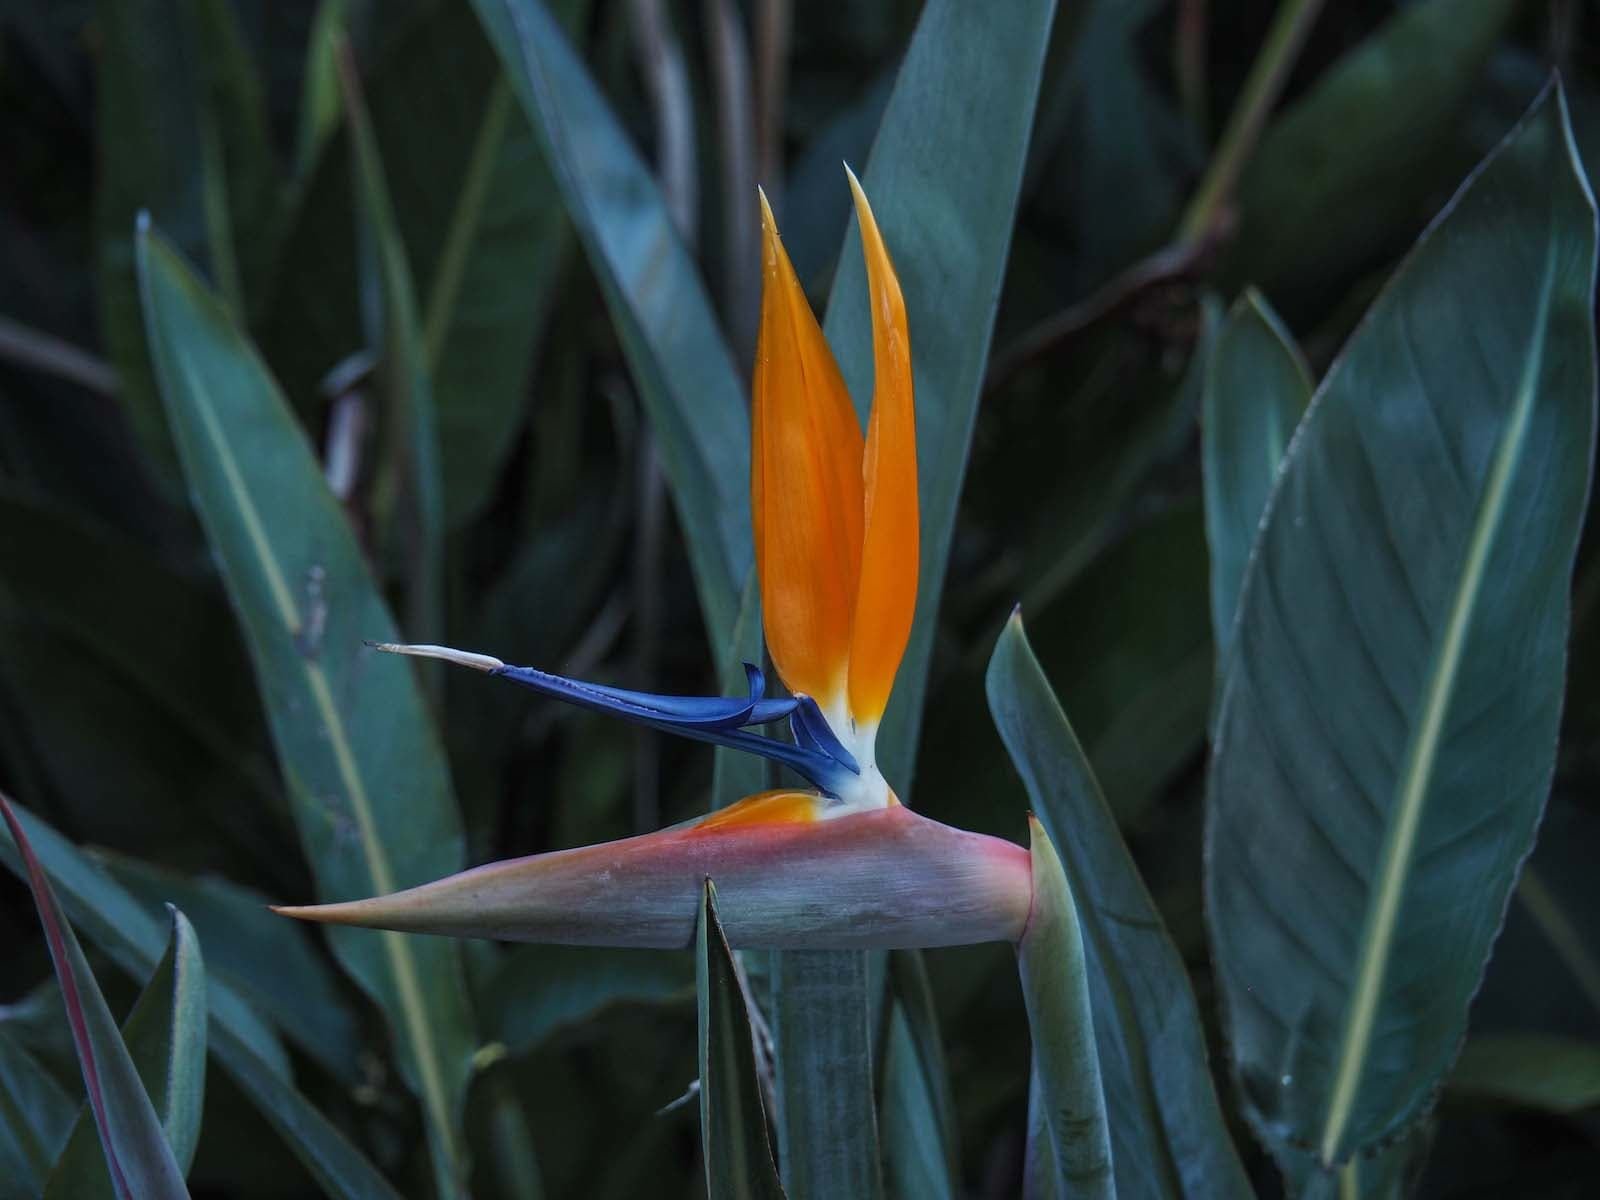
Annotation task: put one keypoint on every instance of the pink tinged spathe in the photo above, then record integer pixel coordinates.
(884, 878)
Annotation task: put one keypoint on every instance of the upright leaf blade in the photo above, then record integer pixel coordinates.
(733, 1122)
(920, 1135)
(1066, 1102)
(943, 177)
(371, 791)
(1257, 385)
(411, 466)
(1386, 732)
(965, 94)
(1168, 1137)
(241, 1043)
(675, 350)
(166, 1039)
(140, 1162)
(828, 1123)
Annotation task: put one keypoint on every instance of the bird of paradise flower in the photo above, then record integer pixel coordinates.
(842, 864)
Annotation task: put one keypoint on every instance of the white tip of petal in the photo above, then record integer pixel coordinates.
(462, 658)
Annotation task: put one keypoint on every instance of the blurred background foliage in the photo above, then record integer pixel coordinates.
(128, 711)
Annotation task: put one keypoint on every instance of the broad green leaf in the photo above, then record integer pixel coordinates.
(1530, 1070)
(1257, 386)
(1066, 1102)
(262, 957)
(180, 140)
(371, 793)
(1168, 1137)
(675, 350)
(1386, 732)
(136, 1153)
(920, 1137)
(241, 1043)
(409, 484)
(36, 1115)
(733, 1122)
(166, 1039)
(1337, 178)
(538, 991)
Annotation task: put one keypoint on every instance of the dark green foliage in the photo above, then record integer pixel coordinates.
(481, 305)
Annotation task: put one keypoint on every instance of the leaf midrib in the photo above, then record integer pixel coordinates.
(1378, 932)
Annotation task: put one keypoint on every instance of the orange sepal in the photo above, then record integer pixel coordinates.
(805, 486)
(764, 808)
(886, 598)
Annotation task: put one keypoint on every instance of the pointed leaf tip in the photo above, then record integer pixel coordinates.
(137, 1156)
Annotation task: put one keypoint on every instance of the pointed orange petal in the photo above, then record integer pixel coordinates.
(805, 486)
(887, 596)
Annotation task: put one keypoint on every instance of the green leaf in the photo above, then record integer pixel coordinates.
(239, 169)
(492, 289)
(511, 1150)
(538, 991)
(155, 663)
(1337, 178)
(1168, 1137)
(242, 1044)
(262, 957)
(409, 483)
(482, 227)
(319, 88)
(733, 1123)
(371, 792)
(1069, 1152)
(1387, 727)
(943, 179)
(1106, 485)
(1257, 385)
(827, 1122)
(1530, 1070)
(1114, 196)
(166, 1039)
(36, 1115)
(675, 350)
(965, 94)
(920, 1135)
(181, 141)
(136, 1153)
